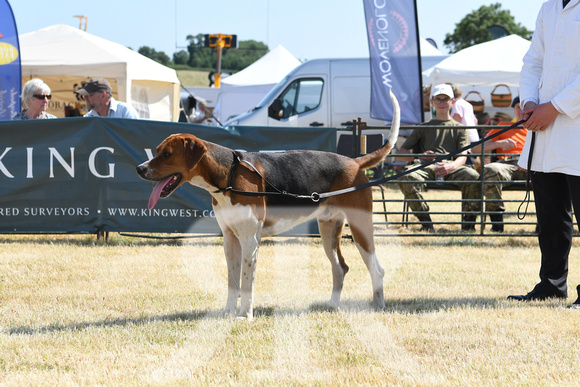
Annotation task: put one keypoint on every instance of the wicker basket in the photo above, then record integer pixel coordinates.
(478, 103)
(501, 100)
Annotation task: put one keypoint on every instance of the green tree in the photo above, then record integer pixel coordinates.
(248, 52)
(473, 28)
(180, 57)
(151, 53)
(233, 59)
(199, 56)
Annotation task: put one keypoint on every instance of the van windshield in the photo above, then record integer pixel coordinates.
(275, 91)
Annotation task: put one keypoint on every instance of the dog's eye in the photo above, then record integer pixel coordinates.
(166, 155)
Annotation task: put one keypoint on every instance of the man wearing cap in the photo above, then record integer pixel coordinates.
(508, 146)
(440, 140)
(97, 93)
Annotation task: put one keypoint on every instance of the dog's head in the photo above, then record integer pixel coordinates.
(173, 165)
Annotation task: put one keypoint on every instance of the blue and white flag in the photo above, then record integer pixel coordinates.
(394, 58)
(10, 70)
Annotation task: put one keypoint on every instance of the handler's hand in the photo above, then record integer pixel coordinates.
(539, 117)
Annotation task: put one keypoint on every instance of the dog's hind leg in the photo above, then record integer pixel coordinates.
(233, 252)
(361, 227)
(331, 231)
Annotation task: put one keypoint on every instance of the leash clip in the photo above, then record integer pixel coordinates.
(315, 197)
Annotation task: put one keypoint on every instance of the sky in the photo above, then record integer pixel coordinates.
(308, 29)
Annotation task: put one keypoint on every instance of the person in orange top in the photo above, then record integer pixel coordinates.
(508, 146)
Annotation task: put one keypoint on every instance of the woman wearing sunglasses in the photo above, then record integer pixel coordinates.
(35, 95)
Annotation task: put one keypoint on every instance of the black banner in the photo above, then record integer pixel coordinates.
(77, 175)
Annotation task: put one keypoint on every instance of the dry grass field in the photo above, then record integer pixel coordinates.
(135, 312)
(193, 78)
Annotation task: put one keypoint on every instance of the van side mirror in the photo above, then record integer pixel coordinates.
(275, 110)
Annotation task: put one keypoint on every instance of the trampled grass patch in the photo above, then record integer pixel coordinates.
(142, 312)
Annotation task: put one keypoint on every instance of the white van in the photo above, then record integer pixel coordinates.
(319, 92)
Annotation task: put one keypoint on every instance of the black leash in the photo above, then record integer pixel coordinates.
(315, 196)
(528, 178)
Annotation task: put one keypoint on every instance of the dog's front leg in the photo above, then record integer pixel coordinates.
(249, 259)
(233, 252)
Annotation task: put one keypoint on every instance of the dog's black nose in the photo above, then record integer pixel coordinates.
(141, 169)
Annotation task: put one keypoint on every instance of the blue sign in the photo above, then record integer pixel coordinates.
(394, 58)
(77, 175)
(10, 70)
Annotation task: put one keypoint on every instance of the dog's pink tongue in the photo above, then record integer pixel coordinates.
(156, 194)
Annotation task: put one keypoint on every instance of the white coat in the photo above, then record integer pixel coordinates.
(551, 72)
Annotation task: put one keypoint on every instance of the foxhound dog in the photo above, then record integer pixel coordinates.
(250, 202)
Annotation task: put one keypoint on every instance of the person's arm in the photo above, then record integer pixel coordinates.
(404, 151)
(490, 145)
(444, 169)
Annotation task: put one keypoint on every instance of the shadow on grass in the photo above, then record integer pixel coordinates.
(425, 305)
(118, 322)
(410, 306)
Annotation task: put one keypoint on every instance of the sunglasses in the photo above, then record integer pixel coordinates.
(42, 96)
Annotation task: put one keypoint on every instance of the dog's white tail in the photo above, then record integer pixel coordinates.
(396, 123)
(372, 159)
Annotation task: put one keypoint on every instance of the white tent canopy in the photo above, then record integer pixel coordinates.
(65, 56)
(489, 63)
(243, 90)
(268, 70)
(430, 55)
(427, 49)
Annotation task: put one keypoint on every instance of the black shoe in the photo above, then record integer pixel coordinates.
(426, 222)
(427, 227)
(576, 304)
(496, 222)
(534, 295)
(468, 222)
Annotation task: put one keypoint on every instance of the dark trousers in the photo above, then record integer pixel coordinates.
(554, 194)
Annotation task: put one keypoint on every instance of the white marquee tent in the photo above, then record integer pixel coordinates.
(430, 55)
(487, 64)
(65, 56)
(243, 90)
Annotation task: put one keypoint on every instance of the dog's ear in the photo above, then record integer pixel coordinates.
(194, 151)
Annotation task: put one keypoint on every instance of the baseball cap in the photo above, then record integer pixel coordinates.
(95, 85)
(443, 88)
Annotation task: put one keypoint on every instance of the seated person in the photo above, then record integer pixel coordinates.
(462, 112)
(35, 95)
(505, 168)
(98, 95)
(440, 140)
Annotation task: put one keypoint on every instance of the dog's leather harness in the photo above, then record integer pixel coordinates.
(237, 160)
(315, 196)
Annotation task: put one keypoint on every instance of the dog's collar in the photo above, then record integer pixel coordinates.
(235, 163)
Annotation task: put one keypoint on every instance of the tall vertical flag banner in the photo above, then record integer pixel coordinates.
(10, 70)
(395, 58)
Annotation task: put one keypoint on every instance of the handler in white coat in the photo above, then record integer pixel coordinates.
(550, 98)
